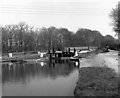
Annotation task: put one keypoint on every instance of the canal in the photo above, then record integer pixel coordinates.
(39, 79)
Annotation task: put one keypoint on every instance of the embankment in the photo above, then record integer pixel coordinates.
(98, 75)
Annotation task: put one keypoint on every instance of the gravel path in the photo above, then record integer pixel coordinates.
(109, 59)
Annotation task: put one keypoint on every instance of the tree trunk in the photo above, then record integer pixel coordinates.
(10, 45)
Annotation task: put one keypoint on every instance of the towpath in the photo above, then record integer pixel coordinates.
(109, 59)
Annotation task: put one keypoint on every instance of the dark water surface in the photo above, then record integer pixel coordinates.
(39, 79)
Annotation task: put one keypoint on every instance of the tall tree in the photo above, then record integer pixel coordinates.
(5, 39)
(115, 15)
(22, 29)
(66, 37)
(43, 38)
(11, 31)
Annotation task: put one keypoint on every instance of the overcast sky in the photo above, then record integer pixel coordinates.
(71, 14)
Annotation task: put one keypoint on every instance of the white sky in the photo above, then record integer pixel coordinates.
(71, 14)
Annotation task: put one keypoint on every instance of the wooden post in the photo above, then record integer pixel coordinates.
(74, 51)
(69, 50)
(53, 51)
(48, 51)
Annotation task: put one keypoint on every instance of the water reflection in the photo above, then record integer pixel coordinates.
(23, 72)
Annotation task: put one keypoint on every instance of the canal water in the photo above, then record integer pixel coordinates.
(39, 79)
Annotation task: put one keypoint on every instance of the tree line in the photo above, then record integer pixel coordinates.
(22, 37)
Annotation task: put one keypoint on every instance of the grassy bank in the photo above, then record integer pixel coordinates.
(21, 57)
(97, 81)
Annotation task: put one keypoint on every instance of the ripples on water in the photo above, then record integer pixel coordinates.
(39, 79)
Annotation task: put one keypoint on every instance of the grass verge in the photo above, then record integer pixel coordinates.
(97, 81)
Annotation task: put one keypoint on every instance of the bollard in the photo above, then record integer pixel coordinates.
(76, 53)
(42, 64)
(76, 63)
(41, 55)
(10, 54)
